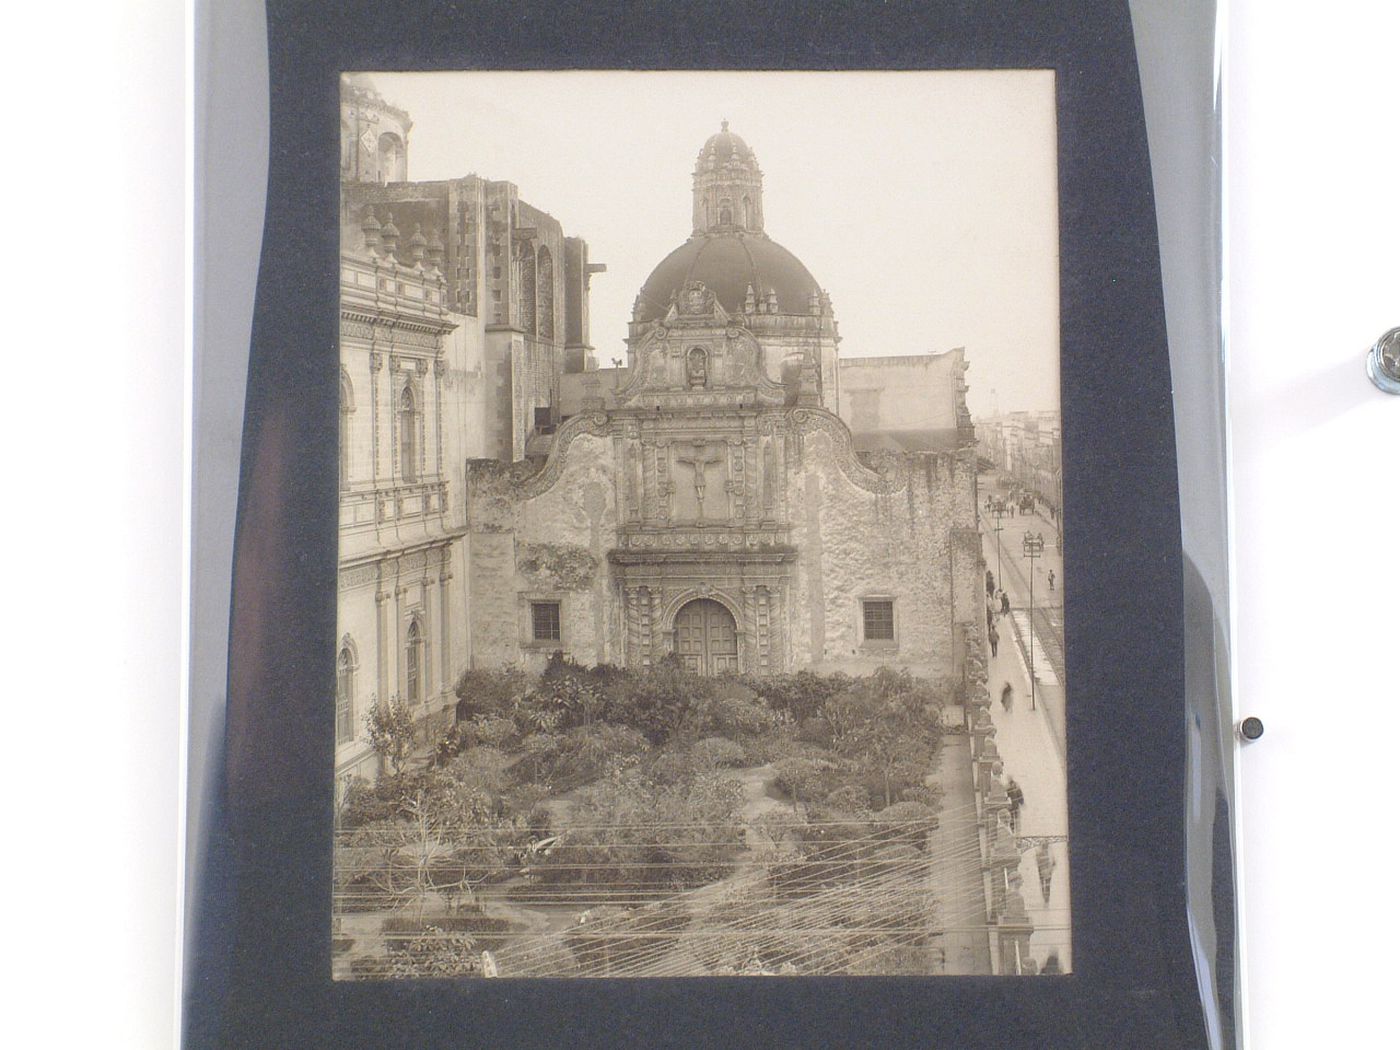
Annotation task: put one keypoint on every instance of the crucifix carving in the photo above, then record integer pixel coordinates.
(702, 456)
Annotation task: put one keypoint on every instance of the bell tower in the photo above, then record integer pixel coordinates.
(728, 187)
(373, 133)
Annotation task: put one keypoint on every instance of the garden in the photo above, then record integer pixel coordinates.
(610, 821)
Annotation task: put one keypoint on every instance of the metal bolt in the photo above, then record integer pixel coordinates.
(1383, 362)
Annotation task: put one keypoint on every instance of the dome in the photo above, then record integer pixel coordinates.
(724, 146)
(728, 264)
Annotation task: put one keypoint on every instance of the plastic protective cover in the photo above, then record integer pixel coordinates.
(1151, 745)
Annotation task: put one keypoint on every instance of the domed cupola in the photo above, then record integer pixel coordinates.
(728, 252)
(728, 186)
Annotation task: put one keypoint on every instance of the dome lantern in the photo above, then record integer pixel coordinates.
(728, 186)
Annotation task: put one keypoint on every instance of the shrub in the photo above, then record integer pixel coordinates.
(492, 731)
(489, 692)
(656, 701)
(803, 779)
(643, 837)
(590, 751)
(800, 695)
(735, 715)
(433, 953)
(716, 752)
(364, 803)
(390, 729)
(850, 798)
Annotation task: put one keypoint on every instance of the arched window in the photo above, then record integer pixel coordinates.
(391, 166)
(726, 213)
(544, 292)
(345, 695)
(408, 435)
(527, 288)
(347, 406)
(748, 214)
(413, 665)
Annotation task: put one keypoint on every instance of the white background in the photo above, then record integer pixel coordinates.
(93, 520)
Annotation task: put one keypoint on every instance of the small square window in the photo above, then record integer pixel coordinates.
(544, 621)
(879, 620)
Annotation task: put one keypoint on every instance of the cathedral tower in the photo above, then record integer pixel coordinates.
(373, 133)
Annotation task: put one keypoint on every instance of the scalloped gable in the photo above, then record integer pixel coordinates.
(696, 356)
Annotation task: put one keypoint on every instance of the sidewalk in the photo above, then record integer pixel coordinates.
(1032, 752)
(956, 876)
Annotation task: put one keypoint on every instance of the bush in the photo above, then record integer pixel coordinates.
(658, 701)
(804, 779)
(590, 751)
(850, 798)
(799, 695)
(717, 752)
(735, 715)
(492, 731)
(489, 692)
(364, 803)
(642, 837)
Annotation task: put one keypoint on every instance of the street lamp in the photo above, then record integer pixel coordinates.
(1032, 547)
(998, 513)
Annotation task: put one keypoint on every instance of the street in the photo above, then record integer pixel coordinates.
(1032, 742)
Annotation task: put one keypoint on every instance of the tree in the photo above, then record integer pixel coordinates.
(390, 727)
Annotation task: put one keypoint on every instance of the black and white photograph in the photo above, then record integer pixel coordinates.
(700, 599)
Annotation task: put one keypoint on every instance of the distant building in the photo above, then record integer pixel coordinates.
(461, 308)
(1024, 448)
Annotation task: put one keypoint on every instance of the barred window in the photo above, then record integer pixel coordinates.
(345, 697)
(544, 621)
(408, 436)
(413, 665)
(879, 620)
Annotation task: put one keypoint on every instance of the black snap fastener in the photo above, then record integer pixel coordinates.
(1251, 728)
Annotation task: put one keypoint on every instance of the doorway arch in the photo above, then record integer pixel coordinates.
(706, 637)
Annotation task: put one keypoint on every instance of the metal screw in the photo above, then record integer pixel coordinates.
(1251, 728)
(1383, 362)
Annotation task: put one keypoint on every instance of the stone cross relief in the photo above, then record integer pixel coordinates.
(701, 457)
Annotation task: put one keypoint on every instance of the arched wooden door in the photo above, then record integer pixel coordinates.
(707, 640)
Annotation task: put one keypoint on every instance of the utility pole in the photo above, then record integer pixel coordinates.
(1032, 547)
(998, 512)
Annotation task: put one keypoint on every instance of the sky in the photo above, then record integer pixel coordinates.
(923, 202)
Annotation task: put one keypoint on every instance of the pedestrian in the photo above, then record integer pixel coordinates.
(1052, 579)
(989, 616)
(1017, 798)
(991, 584)
(1006, 697)
(1005, 604)
(993, 639)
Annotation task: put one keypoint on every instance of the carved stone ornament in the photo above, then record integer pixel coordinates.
(695, 299)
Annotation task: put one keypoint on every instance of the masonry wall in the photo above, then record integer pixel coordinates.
(910, 547)
(552, 547)
(901, 395)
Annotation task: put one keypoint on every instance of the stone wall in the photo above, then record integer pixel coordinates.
(900, 536)
(544, 542)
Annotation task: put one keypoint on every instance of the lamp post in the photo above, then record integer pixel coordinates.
(998, 513)
(1032, 546)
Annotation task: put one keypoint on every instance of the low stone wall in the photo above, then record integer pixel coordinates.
(1008, 925)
